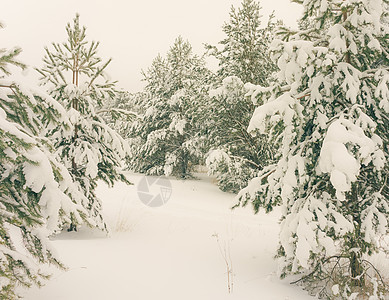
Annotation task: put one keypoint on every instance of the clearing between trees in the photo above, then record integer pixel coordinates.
(176, 251)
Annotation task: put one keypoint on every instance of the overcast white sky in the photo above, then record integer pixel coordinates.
(132, 32)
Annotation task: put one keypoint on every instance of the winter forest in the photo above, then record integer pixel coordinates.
(266, 178)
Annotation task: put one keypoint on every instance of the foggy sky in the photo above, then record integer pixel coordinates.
(131, 32)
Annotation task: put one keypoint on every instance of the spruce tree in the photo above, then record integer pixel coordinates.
(167, 139)
(37, 195)
(329, 113)
(75, 76)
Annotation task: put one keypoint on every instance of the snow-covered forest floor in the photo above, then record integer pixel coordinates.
(171, 252)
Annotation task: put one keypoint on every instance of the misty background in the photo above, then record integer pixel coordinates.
(132, 33)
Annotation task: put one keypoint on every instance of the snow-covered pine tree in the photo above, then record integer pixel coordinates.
(120, 112)
(76, 77)
(37, 195)
(329, 113)
(167, 139)
(244, 52)
(236, 156)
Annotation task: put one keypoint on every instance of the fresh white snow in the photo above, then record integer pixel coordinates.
(171, 252)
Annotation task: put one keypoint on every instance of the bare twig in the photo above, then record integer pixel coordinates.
(377, 272)
(226, 254)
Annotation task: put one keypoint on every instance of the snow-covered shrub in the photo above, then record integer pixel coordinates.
(232, 173)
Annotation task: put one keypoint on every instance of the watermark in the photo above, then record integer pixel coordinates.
(154, 191)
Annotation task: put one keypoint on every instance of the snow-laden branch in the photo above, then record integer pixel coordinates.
(120, 111)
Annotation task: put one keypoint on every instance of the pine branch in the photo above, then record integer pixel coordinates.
(119, 110)
(11, 87)
(8, 58)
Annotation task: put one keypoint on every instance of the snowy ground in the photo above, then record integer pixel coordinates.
(170, 252)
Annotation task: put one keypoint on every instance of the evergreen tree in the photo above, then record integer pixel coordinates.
(120, 112)
(244, 51)
(37, 195)
(76, 77)
(166, 140)
(329, 113)
(235, 155)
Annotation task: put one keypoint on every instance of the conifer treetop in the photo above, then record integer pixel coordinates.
(244, 51)
(78, 56)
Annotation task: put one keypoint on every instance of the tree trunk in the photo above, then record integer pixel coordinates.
(184, 165)
(75, 106)
(73, 226)
(347, 57)
(356, 267)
